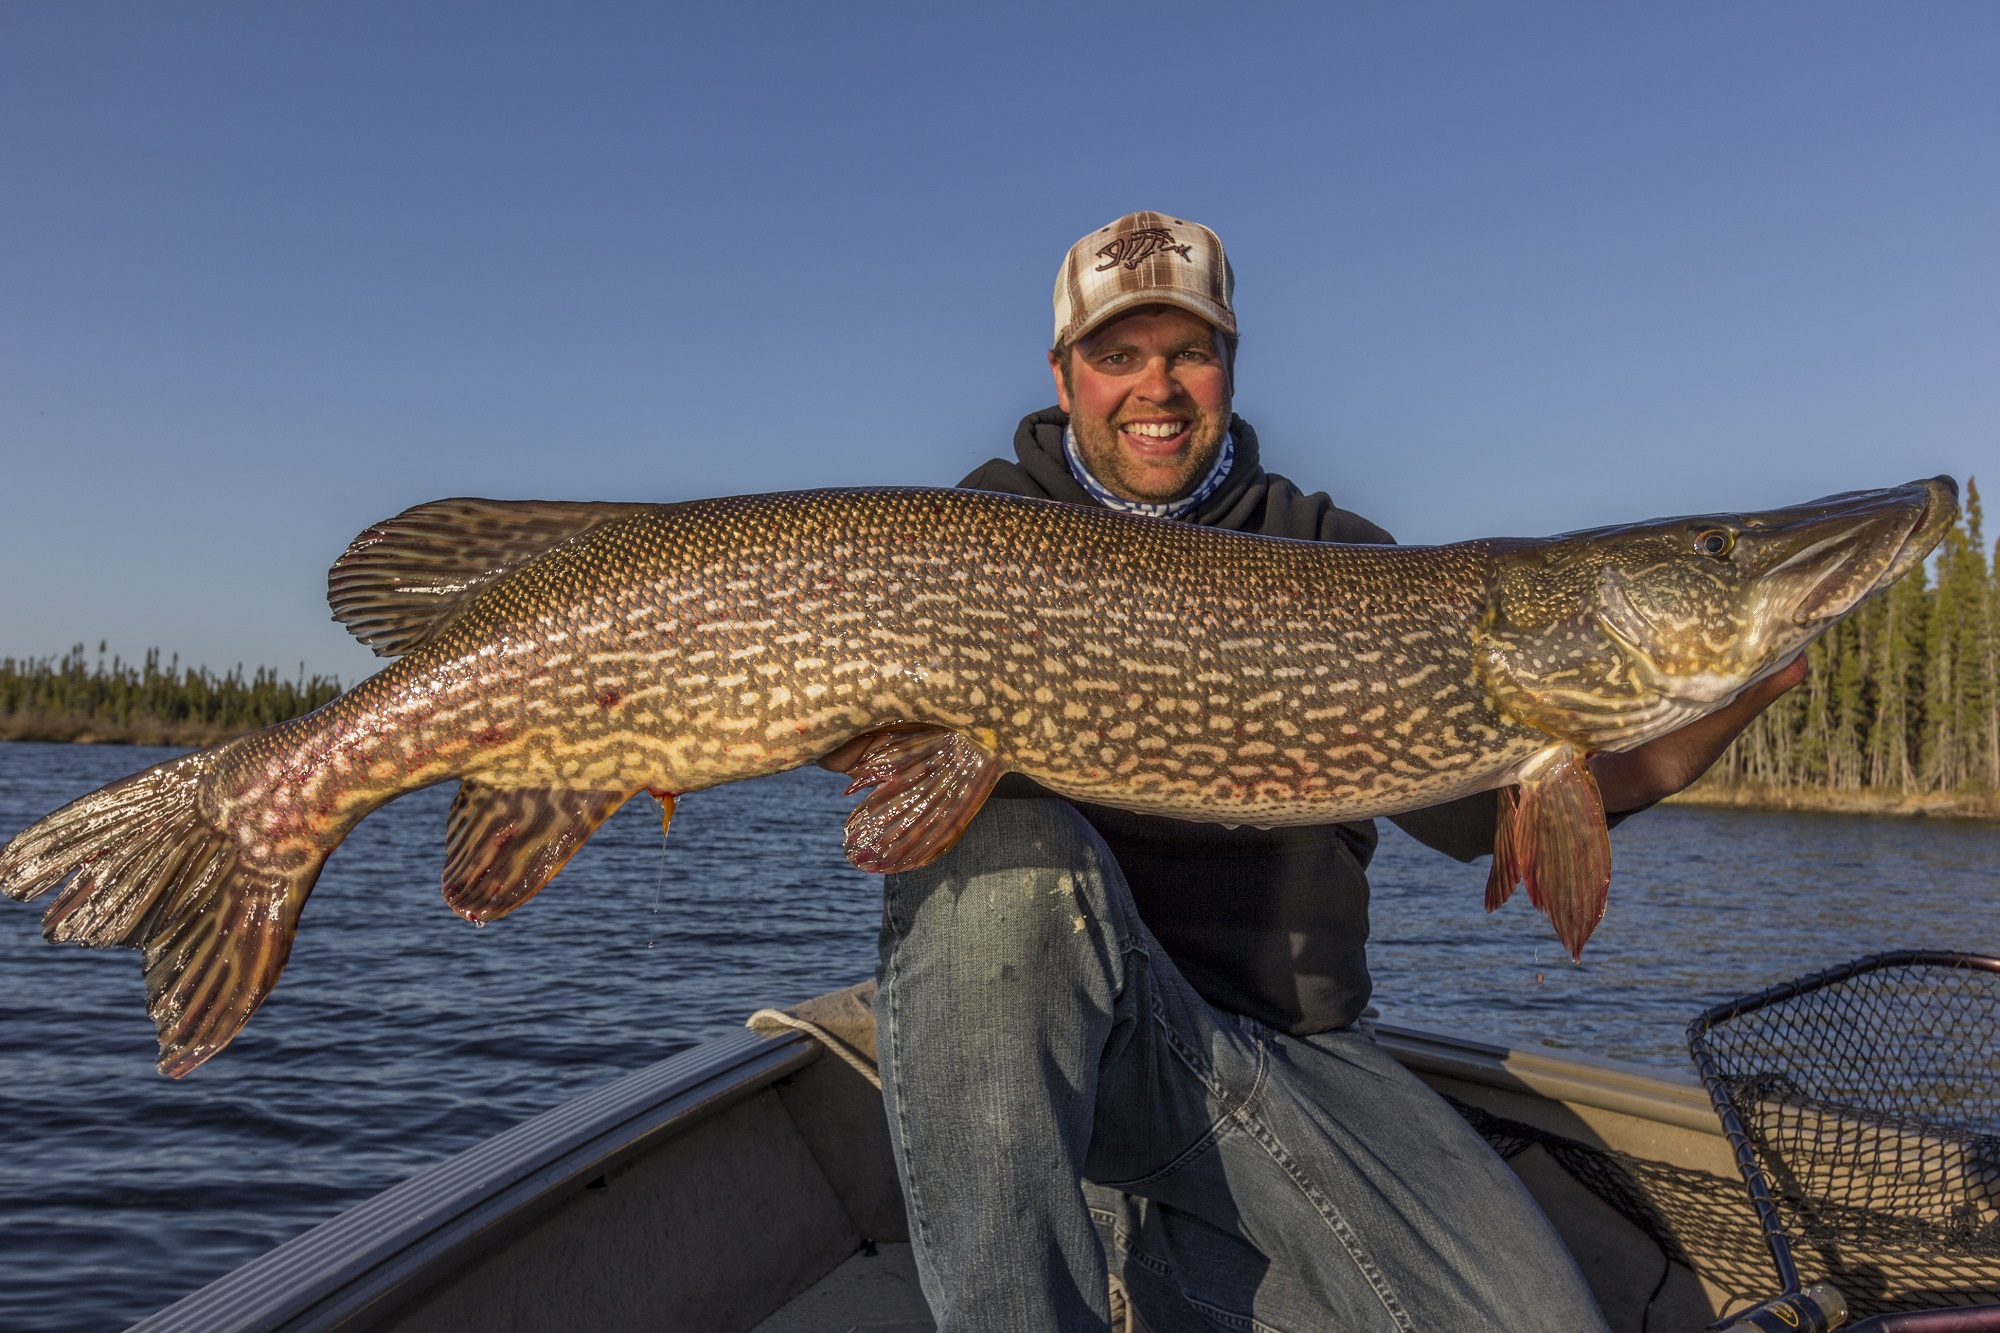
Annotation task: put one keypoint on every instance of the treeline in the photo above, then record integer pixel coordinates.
(69, 699)
(1902, 706)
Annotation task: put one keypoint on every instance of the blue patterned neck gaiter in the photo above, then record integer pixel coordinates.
(1180, 508)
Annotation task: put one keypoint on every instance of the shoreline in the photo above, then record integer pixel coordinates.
(91, 731)
(1852, 801)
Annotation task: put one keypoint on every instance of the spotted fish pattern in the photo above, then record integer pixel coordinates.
(1154, 665)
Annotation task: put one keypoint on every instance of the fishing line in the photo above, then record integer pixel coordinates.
(659, 887)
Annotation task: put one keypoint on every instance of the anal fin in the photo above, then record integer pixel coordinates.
(927, 784)
(1552, 836)
(503, 844)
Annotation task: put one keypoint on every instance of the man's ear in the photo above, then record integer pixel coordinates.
(1062, 384)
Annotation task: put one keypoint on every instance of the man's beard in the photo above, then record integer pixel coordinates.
(1097, 441)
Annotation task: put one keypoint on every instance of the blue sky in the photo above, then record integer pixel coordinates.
(271, 272)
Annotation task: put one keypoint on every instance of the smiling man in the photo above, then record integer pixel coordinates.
(1148, 400)
(1122, 1054)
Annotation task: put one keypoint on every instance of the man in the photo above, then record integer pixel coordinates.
(1115, 1045)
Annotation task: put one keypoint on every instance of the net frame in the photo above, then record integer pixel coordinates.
(1862, 1106)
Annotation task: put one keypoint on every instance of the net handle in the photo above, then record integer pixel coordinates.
(1768, 1220)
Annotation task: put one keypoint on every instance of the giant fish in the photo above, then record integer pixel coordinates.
(558, 659)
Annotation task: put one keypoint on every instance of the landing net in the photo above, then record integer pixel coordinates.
(1863, 1104)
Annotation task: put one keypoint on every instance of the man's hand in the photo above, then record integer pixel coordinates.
(1636, 778)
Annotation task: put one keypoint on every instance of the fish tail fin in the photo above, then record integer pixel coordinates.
(1552, 837)
(140, 864)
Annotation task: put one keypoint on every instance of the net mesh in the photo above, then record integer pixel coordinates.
(1869, 1096)
(1702, 1222)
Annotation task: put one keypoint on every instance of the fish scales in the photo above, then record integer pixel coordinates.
(1113, 659)
(558, 658)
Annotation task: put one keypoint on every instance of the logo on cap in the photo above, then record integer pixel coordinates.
(1134, 248)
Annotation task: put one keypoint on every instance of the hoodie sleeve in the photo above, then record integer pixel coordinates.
(1461, 829)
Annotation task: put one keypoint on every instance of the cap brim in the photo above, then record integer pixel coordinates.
(1215, 314)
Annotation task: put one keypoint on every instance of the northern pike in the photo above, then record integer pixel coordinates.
(558, 659)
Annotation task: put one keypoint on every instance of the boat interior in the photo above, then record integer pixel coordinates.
(747, 1184)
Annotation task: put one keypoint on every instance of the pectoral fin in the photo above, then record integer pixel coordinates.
(1552, 836)
(503, 844)
(927, 785)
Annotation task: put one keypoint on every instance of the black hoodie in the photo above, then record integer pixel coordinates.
(1272, 923)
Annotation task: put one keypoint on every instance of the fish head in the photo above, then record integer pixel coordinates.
(1611, 637)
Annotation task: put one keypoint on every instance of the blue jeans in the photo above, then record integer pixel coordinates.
(1062, 1102)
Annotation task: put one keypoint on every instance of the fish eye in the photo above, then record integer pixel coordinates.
(1716, 543)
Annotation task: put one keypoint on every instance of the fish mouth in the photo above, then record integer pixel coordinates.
(1846, 547)
(1939, 514)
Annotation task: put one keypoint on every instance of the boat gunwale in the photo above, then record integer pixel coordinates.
(1586, 1080)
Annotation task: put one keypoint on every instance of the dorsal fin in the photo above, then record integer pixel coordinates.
(401, 582)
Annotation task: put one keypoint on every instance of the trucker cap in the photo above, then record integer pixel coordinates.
(1143, 259)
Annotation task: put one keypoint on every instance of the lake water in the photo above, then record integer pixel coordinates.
(400, 1034)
